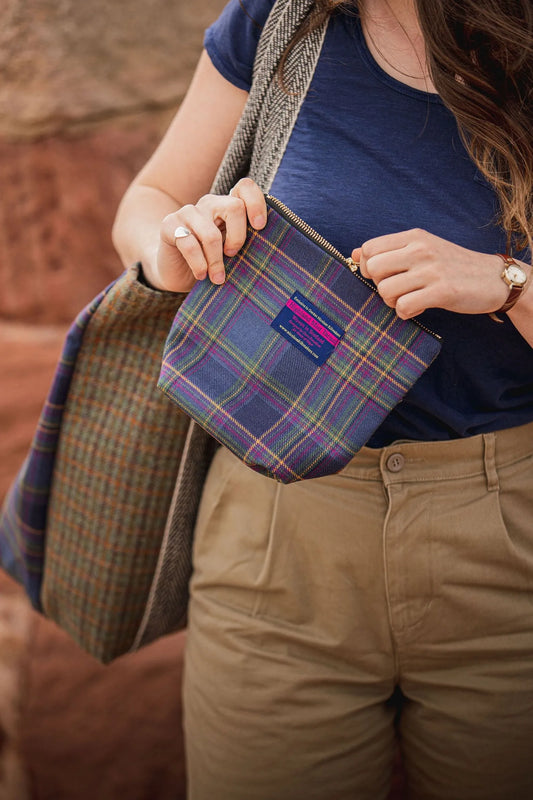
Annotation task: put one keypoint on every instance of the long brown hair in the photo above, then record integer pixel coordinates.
(480, 57)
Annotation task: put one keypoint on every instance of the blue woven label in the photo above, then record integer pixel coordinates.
(308, 328)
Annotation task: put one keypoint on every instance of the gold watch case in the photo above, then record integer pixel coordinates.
(513, 275)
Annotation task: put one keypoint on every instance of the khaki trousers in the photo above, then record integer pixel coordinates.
(311, 603)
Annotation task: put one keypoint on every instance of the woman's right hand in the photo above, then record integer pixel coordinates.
(217, 225)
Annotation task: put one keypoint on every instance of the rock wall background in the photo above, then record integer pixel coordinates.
(86, 91)
(66, 63)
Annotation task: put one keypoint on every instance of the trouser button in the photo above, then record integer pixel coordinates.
(395, 462)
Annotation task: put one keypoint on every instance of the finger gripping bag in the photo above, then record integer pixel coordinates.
(295, 360)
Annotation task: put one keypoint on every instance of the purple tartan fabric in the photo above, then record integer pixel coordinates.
(258, 391)
(23, 516)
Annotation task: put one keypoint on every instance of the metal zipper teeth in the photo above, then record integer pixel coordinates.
(310, 232)
(316, 237)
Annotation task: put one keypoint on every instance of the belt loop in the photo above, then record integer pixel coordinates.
(489, 458)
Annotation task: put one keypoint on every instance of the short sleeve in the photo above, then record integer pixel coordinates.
(232, 40)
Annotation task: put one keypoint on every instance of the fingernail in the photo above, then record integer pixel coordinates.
(231, 253)
(218, 277)
(259, 221)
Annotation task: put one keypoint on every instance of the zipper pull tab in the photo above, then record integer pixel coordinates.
(353, 265)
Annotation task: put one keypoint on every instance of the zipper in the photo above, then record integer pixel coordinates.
(322, 242)
(315, 237)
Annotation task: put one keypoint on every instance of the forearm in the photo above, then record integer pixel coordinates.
(179, 173)
(136, 230)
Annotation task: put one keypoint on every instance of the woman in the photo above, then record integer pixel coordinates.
(315, 605)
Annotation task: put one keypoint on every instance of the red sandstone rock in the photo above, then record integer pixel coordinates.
(70, 61)
(59, 198)
(109, 733)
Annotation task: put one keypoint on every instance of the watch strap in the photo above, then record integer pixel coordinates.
(514, 294)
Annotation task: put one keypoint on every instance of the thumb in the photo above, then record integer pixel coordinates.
(356, 256)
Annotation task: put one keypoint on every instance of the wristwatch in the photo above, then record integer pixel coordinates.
(515, 278)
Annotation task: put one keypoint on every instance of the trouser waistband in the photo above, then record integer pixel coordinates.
(406, 461)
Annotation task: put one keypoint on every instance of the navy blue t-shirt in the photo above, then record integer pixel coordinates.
(368, 156)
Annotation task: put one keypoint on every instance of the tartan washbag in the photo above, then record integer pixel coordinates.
(295, 360)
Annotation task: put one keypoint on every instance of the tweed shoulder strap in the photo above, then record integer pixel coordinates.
(256, 149)
(263, 131)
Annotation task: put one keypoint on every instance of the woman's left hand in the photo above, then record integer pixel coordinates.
(415, 270)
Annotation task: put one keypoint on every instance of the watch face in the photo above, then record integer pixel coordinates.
(515, 275)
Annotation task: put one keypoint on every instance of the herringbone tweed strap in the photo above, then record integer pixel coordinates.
(256, 149)
(261, 136)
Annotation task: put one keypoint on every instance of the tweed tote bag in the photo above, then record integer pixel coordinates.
(98, 524)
